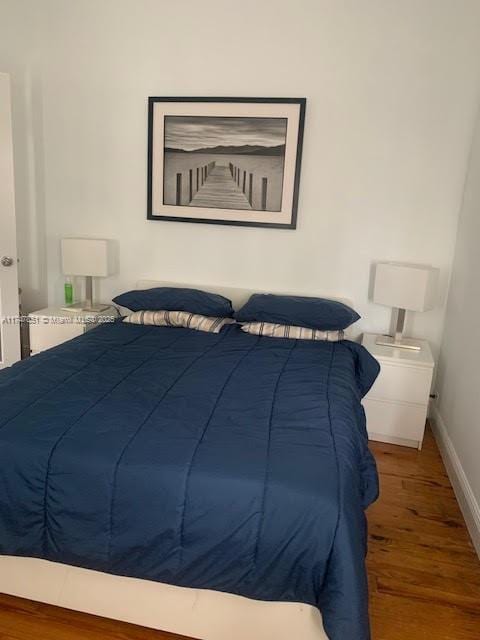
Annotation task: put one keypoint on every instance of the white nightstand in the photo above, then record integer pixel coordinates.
(397, 404)
(52, 326)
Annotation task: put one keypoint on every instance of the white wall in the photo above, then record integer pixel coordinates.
(459, 369)
(392, 89)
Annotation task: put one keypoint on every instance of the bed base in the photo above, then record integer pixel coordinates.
(197, 613)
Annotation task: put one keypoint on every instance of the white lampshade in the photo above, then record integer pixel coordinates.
(405, 286)
(87, 257)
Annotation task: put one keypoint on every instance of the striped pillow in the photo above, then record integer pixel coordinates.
(178, 319)
(272, 330)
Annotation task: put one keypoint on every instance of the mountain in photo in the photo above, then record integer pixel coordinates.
(246, 149)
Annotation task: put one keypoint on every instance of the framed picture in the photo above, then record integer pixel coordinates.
(229, 161)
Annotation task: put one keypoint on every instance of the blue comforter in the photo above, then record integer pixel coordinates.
(221, 461)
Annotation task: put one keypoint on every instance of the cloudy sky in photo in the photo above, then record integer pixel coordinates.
(198, 132)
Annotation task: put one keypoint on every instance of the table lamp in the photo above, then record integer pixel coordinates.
(406, 287)
(89, 257)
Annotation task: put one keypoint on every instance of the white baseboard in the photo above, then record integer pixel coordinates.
(465, 496)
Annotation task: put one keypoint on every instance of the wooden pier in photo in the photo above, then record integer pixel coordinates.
(221, 191)
(220, 186)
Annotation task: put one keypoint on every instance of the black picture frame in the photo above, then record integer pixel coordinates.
(188, 110)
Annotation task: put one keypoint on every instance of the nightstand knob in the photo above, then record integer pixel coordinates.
(6, 261)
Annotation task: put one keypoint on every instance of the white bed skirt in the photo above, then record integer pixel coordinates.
(199, 613)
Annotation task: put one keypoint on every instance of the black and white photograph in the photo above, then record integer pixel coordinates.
(228, 163)
(241, 167)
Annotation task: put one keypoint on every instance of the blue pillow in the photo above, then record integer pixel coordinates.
(176, 299)
(314, 313)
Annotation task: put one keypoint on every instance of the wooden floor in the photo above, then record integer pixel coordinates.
(424, 574)
(423, 571)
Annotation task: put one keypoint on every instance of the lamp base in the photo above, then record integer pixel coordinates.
(403, 343)
(86, 307)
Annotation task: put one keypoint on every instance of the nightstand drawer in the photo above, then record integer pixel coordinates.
(52, 326)
(390, 422)
(402, 384)
(44, 336)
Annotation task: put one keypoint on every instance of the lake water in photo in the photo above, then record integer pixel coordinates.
(224, 180)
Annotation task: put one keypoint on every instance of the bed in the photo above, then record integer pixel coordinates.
(212, 485)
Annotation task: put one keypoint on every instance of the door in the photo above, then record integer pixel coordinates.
(9, 327)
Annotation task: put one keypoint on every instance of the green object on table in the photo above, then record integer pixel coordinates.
(68, 292)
